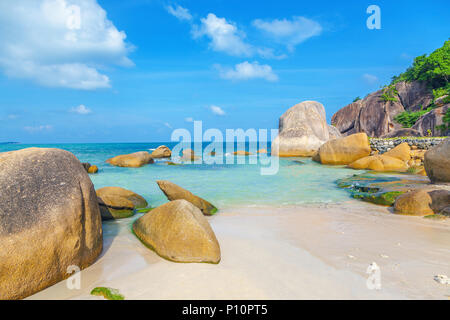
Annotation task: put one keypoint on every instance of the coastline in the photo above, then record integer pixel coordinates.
(289, 252)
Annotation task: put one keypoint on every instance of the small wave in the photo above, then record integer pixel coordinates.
(152, 149)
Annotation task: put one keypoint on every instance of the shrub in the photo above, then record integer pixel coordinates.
(407, 118)
(389, 93)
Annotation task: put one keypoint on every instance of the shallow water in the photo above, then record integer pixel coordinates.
(224, 185)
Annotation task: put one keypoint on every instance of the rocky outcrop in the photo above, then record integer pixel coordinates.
(401, 152)
(431, 121)
(117, 203)
(416, 202)
(161, 152)
(374, 115)
(179, 232)
(437, 162)
(403, 132)
(134, 160)
(344, 150)
(175, 192)
(302, 130)
(49, 220)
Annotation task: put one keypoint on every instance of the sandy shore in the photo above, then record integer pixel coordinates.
(308, 252)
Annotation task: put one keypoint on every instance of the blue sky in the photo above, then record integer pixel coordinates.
(132, 71)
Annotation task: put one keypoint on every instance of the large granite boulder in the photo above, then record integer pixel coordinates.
(302, 130)
(379, 163)
(175, 192)
(117, 203)
(401, 152)
(49, 220)
(134, 160)
(344, 150)
(161, 152)
(179, 232)
(344, 119)
(416, 202)
(414, 95)
(334, 132)
(437, 162)
(431, 121)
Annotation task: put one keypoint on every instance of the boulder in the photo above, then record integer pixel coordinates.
(49, 220)
(302, 130)
(414, 95)
(262, 151)
(401, 152)
(116, 202)
(242, 153)
(437, 162)
(179, 232)
(344, 119)
(161, 152)
(440, 201)
(134, 160)
(379, 163)
(403, 132)
(416, 202)
(93, 169)
(334, 132)
(175, 192)
(86, 166)
(189, 155)
(431, 121)
(344, 150)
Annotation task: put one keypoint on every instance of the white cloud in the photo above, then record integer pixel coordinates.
(217, 110)
(81, 109)
(179, 12)
(60, 43)
(189, 119)
(246, 71)
(224, 36)
(290, 32)
(370, 78)
(45, 127)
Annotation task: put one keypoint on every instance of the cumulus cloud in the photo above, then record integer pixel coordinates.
(247, 71)
(60, 43)
(224, 36)
(34, 129)
(179, 12)
(81, 109)
(370, 78)
(217, 110)
(289, 32)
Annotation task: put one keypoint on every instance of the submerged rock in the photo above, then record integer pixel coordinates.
(161, 152)
(49, 220)
(179, 232)
(175, 192)
(134, 160)
(117, 203)
(437, 162)
(344, 150)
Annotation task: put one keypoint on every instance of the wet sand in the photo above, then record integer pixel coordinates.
(302, 252)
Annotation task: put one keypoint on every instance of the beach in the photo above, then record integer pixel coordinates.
(316, 251)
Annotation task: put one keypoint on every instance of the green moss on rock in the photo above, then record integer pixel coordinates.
(107, 293)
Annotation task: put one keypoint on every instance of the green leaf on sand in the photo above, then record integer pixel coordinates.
(107, 293)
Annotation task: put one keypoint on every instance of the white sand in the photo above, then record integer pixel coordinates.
(309, 252)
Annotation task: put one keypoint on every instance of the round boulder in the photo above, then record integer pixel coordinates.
(379, 163)
(179, 232)
(344, 150)
(161, 152)
(437, 162)
(117, 203)
(417, 202)
(401, 152)
(49, 220)
(134, 160)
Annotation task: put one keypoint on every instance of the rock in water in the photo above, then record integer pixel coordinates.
(179, 232)
(175, 192)
(134, 160)
(189, 155)
(161, 152)
(242, 153)
(344, 150)
(437, 162)
(303, 129)
(93, 169)
(49, 220)
(116, 202)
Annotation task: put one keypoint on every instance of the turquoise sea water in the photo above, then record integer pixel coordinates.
(224, 185)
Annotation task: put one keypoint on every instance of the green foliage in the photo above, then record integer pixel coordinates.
(433, 69)
(446, 122)
(356, 99)
(389, 93)
(107, 293)
(408, 118)
(439, 92)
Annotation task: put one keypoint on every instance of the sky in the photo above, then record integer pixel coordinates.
(80, 71)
